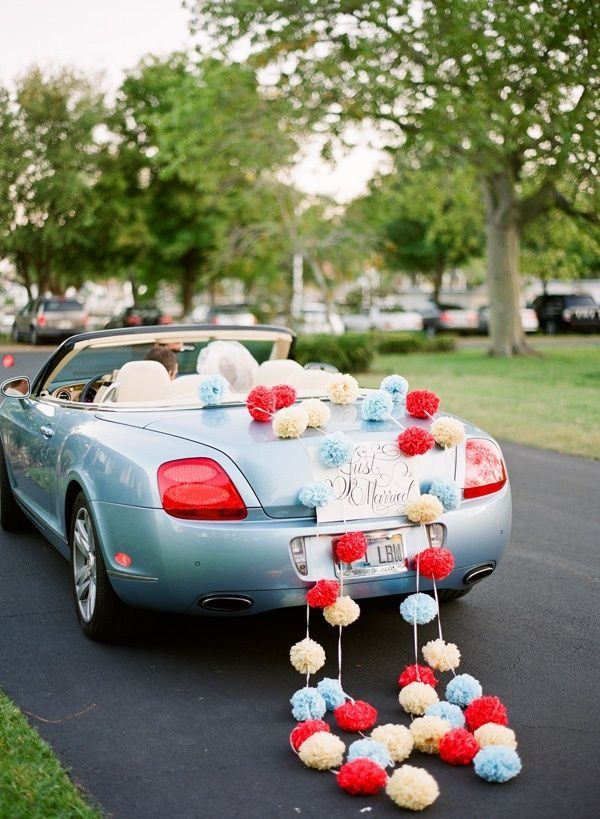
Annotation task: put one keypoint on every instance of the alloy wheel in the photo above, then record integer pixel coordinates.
(84, 564)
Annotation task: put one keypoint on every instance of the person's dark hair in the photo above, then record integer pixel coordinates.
(164, 356)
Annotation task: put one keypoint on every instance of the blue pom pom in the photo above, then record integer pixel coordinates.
(332, 693)
(315, 494)
(497, 763)
(369, 749)
(377, 406)
(446, 710)
(419, 606)
(307, 703)
(447, 492)
(463, 689)
(396, 386)
(336, 449)
(212, 390)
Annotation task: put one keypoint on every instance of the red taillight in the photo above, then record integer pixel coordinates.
(133, 321)
(444, 316)
(123, 559)
(85, 320)
(41, 321)
(165, 320)
(485, 471)
(199, 489)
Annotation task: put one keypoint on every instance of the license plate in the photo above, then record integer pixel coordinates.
(386, 554)
(64, 325)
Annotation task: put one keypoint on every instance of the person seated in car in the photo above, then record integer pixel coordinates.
(165, 357)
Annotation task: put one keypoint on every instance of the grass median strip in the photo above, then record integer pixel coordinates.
(549, 401)
(32, 783)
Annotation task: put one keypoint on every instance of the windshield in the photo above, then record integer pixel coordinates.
(61, 306)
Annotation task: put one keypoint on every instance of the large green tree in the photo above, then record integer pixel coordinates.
(509, 86)
(49, 161)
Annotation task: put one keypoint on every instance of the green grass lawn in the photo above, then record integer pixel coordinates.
(32, 783)
(549, 401)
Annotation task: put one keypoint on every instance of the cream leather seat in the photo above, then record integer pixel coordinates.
(292, 373)
(141, 381)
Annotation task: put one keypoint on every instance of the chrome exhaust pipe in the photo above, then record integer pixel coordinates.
(226, 603)
(478, 573)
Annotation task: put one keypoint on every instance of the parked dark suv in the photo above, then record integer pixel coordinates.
(49, 318)
(559, 313)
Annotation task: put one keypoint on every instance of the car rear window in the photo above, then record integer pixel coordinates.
(61, 306)
(574, 301)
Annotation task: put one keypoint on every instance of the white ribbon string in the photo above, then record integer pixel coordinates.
(415, 630)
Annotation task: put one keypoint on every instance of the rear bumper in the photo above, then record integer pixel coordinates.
(178, 563)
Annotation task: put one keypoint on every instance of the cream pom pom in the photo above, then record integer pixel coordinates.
(290, 422)
(424, 509)
(416, 697)
(493, 734)
(412, 788)
(396, 738)
(343, 389)
(343, 612)
(307, 656)
(318, 412)
(427, 732)
(441, 655)
(447, 432)
(322, 751)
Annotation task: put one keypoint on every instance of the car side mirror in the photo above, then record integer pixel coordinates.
(16, 388)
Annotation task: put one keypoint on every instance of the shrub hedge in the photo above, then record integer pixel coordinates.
(354, 352)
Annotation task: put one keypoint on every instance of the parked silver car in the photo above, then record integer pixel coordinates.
(49, 318)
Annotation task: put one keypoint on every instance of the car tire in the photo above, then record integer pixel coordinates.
(448, 595)
(12, 519)
(33, 336)
(550, 327)
(101, 614)
(14, 334)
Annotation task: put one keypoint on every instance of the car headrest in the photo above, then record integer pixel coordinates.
(142, 381)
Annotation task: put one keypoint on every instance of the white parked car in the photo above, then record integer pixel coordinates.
(395, 318)
(315, 318)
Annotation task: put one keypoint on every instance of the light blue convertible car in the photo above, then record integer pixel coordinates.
(164, 503)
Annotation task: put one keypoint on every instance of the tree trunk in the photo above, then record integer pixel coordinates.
(503, 281)
(188, 281)
(436, 279)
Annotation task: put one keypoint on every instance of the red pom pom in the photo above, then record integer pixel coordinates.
(415, 441)
(425, 675)
(284, 396)
(422, 403)
(261, 403)
(355, 716)
(350, 547)
(361, 777)
(304, 730)
(323, 593)
(485, 709)
(434, 563)
(458, 747)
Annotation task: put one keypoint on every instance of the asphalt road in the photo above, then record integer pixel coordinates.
(191, 718)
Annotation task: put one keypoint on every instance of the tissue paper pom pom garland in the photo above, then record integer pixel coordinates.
(343, 612)
(361, 777)
(424, 509)
(434, 563)
(485, 709)
(284, 395)
(447, 432)
(417, 673)
(307, 704)
(355, 716)
(427, 733)
(497, 763)
(377, 406)
(212, 390)
(304, 730)
(446, 710)
(318, 412)
(458, 747)
(343, 389)
(415, 441)
(322, 751)
(315, 494)
(290, 422)
(422, 403)
(396, 385)
(350, 547)
(463, 689)
(332, 693)
(447, 492)
(396, 738)
(323, 593)
(412, 788)
(307, 656)
(419, 608)
(261, 404)
(370, 749)
(441, 655)
(416, 697)
(490, 733)
(336, 450)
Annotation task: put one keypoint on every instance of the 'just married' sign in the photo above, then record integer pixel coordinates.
(377, 483)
